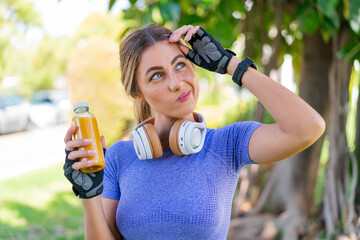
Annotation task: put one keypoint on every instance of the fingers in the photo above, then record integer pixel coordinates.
(81, 154)
(191, 32)
(187, 30)
(184, 49)
(178, 33)
(70, 145)
(85, 164)
(102, 140)
(69, 133)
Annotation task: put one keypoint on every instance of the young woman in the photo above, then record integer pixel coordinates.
(170, 182)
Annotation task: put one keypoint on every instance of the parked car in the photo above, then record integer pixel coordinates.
(14, 114)
(50, 107)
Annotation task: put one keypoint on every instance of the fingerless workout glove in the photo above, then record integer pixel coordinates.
(208, 53)
(85, 185)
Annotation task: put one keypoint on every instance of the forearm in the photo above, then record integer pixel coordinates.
(96, 226)
(292, 114)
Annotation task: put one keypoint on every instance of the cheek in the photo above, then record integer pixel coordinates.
(192, 80)
(189, 76)
(154, 96)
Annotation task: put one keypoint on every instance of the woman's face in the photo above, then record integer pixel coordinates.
(167, 81)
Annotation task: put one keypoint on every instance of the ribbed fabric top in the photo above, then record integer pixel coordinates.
(178, 197)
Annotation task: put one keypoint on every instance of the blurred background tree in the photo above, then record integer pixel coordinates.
(16, 16)
(93, 74)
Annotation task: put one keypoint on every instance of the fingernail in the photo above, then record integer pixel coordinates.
(90, 162)
(87, 140)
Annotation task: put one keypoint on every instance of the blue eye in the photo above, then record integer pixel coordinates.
(180, 65)
(156, 76)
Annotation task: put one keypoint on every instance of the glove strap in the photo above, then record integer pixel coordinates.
(241, 69)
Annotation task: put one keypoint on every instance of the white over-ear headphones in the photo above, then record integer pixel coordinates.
(186, 137)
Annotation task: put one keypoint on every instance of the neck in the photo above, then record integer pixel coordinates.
(163, 126)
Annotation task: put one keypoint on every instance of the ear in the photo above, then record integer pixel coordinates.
(138, 97)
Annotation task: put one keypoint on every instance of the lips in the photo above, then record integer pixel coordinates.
(184, 96)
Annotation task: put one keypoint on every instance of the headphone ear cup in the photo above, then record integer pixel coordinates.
(139, 146)
(174, 136)
(153, 140)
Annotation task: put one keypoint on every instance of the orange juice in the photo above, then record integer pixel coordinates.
(86, 128)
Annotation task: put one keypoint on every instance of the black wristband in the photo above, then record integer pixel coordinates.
(241, 69)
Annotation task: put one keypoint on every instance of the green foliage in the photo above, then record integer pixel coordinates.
(327, 15)
(111, 4)
(350, 51)
(331, 23)
(18, 11)
(44, 65)
(209, 14)
(309, 21)
(15, 17)
(327, 7)
(354, 18)
(38, 205)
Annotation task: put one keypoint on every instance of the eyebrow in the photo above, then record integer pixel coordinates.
(160, 68)
(176, 57)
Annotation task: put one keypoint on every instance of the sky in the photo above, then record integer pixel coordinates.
(61, 18)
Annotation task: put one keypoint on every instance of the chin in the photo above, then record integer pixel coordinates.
(185, 112)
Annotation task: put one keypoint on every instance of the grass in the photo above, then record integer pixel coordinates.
(40, 205)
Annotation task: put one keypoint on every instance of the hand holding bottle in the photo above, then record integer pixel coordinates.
(84, 161)
(85, 185)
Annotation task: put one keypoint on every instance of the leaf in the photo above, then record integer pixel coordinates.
(355, 16)
(331, 23)
(311, 21)
(156, 15)
(350, 51)
(327, 7)
(346, 10)
(301, 9)
(111, 4)
(170, 11)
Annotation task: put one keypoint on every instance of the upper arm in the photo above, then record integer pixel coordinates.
(269, 144)
(109, 207)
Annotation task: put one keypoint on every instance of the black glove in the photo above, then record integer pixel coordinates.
(85, 185)
(208, 53)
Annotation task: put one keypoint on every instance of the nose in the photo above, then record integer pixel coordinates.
(175, 83)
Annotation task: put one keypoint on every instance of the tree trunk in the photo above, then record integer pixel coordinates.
(338, 202)
(247, 175)
(272, 63)
(314, 90)
(295, 178)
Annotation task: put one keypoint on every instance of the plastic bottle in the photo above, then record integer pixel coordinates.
(86, 128)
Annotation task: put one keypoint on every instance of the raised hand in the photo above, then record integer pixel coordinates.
(206, 52)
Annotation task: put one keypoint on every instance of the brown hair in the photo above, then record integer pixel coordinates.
(131, 49)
